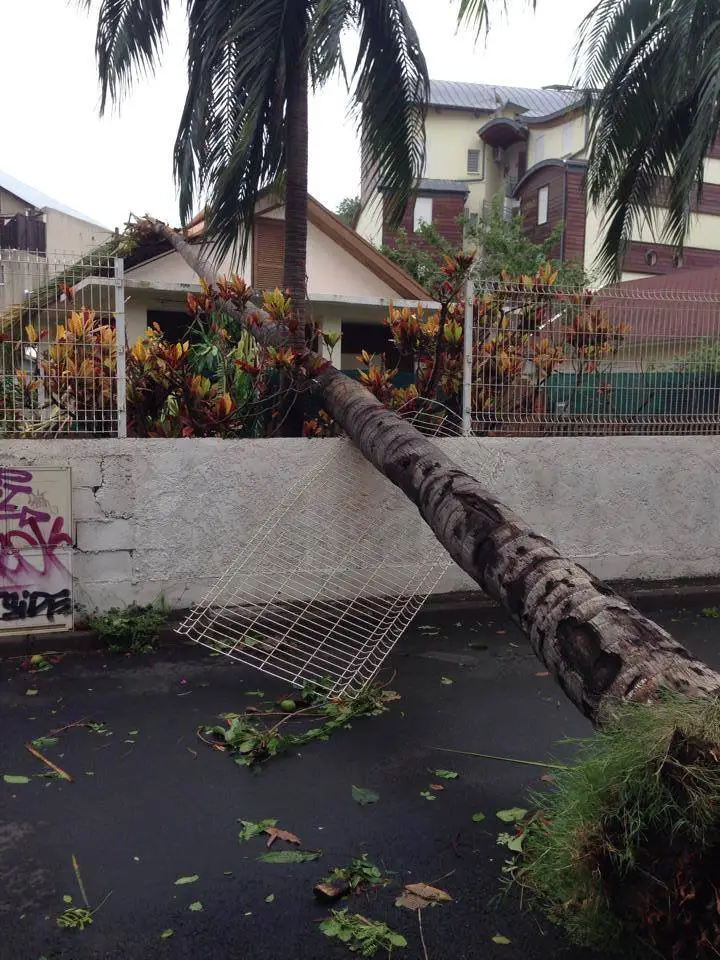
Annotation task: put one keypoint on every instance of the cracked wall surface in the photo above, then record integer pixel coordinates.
(168, 516)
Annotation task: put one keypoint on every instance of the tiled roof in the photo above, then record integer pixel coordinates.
(485, 96)
(38, 199)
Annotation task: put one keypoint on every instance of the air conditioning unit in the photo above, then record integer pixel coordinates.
(498, 154)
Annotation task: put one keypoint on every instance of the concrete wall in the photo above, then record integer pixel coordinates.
(67, 234)
(167, 516)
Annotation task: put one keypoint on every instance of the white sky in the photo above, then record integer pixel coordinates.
(52, 138)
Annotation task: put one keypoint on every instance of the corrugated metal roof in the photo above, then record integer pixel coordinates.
(444, 186)
(40, 200)
(485, 96)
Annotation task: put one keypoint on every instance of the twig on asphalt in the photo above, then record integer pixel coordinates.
(422, 938)
(53, 766)
(76, 868)
(491, 756)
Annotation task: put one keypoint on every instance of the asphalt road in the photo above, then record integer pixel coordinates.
(149, 804)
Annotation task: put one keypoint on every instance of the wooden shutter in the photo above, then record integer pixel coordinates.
(268, 254)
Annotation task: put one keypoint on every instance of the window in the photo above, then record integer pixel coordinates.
(2, 274)
(539, 148)
(567, 138)
(543, 198)
(423, 212)
(678, 260)
(651, 258)
(473, 161)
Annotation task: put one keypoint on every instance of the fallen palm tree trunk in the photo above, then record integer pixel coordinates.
(614, 664)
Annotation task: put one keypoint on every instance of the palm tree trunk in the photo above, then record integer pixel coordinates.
(599, 648)
(296, 190)
(596, 645)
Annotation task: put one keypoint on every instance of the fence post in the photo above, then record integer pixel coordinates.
(120, 346)
(467, 358)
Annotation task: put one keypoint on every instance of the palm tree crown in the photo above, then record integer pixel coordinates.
(249, 66)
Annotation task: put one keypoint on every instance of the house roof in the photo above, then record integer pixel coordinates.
(443, 186)
(325, 221)
(40, 200)
(531, 104)
(676, 307)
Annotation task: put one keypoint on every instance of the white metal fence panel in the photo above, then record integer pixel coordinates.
(626, 359)
(62, 370)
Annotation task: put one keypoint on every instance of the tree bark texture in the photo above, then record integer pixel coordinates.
(599, 648)
(296, 188)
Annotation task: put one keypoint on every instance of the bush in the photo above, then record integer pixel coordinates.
(132, 629)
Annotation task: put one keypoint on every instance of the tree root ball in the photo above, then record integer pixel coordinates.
(627, 846)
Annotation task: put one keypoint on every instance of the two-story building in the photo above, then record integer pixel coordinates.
(530, 148)
(37, 233)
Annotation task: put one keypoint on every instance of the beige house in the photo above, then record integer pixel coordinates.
(529, 147)
(38, 235)
(350, 284)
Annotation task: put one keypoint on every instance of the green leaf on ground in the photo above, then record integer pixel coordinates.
(513, 815)
(427, 795)
(446, 681)
(251, 829)
(364, 797)
(499, 938)
(31, 693)
(133, 733)
(196, 907)
(446, 774)
(478, 817)
(254, 693)
(166, 933)
(44, 741)
(269, 898)
(12, 778)
(181, 881)
(290, 856)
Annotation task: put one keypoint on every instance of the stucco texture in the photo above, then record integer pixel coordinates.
(167, 516)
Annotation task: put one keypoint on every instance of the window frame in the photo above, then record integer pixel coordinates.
(544, 192)
(476, 154)
(417, 221)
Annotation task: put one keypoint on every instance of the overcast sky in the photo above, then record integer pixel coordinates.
(52, 138)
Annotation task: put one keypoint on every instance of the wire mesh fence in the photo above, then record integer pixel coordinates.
(624, 360)
(313, 597)
(62, 347)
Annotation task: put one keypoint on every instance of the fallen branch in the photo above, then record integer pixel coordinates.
(53, 766)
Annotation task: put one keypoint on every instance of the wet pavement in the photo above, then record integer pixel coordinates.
(150, 804)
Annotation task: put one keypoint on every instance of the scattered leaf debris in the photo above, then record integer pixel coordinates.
(418, 896)
(15, 778)
(270, 898)
(478, 817)
(196, 906)
(499, 938)
(446, 774)
(181, 881)
(273, 834)
(513, 815)
(166, 933)
(364, 796)
(290, 856)
(446, 681)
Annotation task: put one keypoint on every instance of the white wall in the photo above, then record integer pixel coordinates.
(167, 516)
(66, 234)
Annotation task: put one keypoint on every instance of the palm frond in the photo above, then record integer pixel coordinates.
(391, 90)
(231, 140)
(656, 115)
(329, 20)
(129, 38)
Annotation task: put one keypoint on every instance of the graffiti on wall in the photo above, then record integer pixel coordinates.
(35, 549)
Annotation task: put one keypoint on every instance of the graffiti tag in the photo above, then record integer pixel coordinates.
(31, 537)
(35, 603)
(35, 547)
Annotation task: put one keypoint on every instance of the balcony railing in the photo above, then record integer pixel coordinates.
(22, 232)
